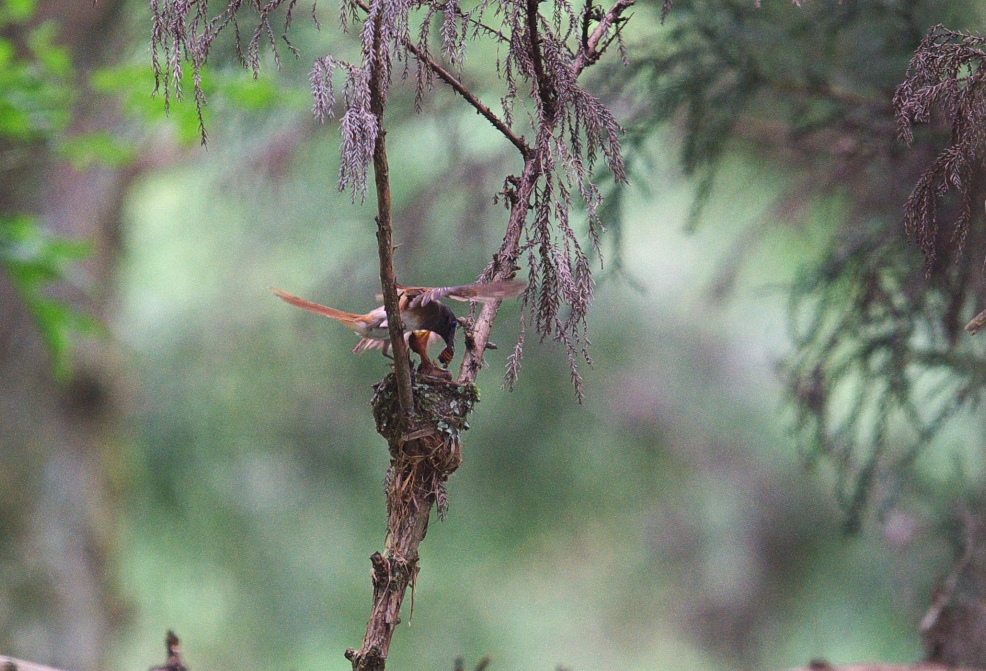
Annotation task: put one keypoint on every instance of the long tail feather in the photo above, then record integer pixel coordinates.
(353, 321)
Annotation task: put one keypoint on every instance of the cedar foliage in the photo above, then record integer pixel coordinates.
(573, 131)
(880, 364)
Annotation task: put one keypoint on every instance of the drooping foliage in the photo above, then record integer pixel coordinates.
(946, 80)
(880, 363)
(572, 130)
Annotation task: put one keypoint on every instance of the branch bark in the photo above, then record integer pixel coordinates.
(385, 231)
(591, 51)
(460, 88)
(470, 97)
(396, 568)
(422, 458)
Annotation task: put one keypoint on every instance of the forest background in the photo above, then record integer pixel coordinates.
(178, 449)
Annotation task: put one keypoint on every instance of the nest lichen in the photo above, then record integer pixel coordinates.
(427, 448)
(441, 409)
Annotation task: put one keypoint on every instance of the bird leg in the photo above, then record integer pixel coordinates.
(420, 347)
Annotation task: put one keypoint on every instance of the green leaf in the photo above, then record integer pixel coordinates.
(96, 148)
(15, 11)
(34, 258)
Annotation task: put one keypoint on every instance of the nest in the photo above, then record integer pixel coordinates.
(428, 449)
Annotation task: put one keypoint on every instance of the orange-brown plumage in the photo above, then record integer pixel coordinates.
(426, 319)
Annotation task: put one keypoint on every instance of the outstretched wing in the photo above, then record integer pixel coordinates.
(477, 291)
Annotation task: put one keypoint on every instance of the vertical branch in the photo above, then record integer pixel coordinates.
(385, 231)
(545, 91)
(409, 501)
(504, 263)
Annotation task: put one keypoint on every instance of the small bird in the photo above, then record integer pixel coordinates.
(426, 319)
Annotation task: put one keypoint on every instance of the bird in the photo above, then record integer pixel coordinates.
(427, 320)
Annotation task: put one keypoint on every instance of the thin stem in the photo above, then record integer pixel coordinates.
(545, 92)
(590, 51)
(504, 263)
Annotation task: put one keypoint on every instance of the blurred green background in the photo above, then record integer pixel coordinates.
(669, 522)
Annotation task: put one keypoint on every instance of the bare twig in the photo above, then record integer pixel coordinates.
(469, 97)
(590, 51)
(545, 91)
(947, 590)
(463, 91)
(503, 267)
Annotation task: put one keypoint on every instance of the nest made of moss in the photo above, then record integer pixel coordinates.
(428, 449)
(440, 408)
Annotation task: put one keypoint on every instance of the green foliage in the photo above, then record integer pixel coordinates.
(133, 84)
(874, 377)
(16, 11)
(96, 148)
(34, 259)
(879, 368)
(232, 89)
(36, 91)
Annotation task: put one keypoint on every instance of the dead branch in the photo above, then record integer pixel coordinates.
(419, 468)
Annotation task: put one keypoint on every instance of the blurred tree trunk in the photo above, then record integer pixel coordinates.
(59, 443)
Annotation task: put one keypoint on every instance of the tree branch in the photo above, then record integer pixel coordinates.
(460, 88)
(504, 264)
(545, 91)
(469, 97)
(590, 51)
(385, 234)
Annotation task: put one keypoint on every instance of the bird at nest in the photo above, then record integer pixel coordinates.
(427, 320)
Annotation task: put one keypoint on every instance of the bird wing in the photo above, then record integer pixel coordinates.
(369, 343)
(477, 291)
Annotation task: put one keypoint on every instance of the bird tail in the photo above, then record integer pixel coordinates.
(370, 343)
(355, 322)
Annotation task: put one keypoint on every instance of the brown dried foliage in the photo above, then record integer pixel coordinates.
(946, 79)
(573, 130)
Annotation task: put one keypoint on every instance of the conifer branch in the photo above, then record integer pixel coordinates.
(385, 235)
(590, 50)
(470, 98)
(462, 90)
